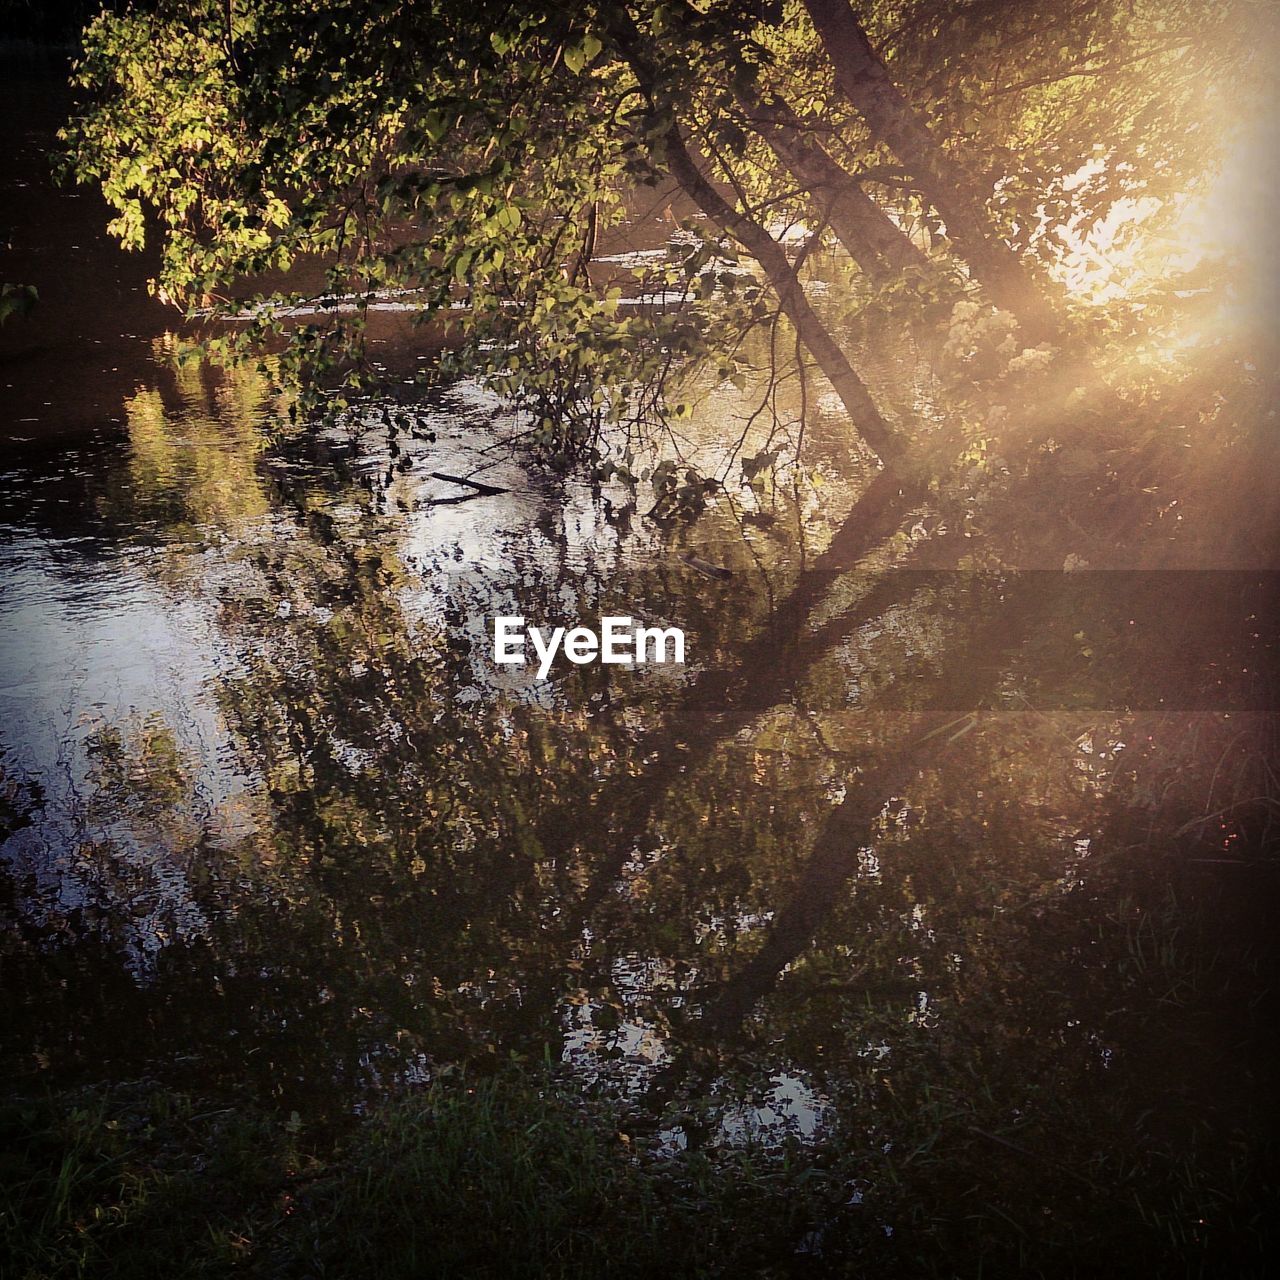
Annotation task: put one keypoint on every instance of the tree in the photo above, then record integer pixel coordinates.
(471, 155)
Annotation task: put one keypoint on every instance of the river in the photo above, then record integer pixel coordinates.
(274, 820)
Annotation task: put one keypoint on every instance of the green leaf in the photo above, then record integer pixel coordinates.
(433, 123)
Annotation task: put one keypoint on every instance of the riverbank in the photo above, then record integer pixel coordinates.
(1157, 1159)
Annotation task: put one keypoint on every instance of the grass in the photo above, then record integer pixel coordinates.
(133, 1181)
(1026, 1159)
(985, 1148)
(511, 1177)
(501, 1177)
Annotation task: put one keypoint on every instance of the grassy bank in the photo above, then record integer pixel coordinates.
(503, 1179)
(497, 1177)
(1000, 1141)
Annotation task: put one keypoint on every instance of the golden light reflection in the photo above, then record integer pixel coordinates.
(207, 449)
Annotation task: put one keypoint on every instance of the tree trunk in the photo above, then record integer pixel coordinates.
(863, 78)
(885, 440)
(869, 235)
(973, 671)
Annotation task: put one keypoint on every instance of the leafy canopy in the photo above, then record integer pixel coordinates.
(300, 159)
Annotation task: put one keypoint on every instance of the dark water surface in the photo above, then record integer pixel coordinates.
(272, 817)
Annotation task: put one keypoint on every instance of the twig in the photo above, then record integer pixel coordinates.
(482, 490)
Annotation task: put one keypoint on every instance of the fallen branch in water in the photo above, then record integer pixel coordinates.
(482, 490)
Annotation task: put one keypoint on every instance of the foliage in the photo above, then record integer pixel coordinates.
(304, 163)
(501, 1176)
(512, 1174)
(437, 879)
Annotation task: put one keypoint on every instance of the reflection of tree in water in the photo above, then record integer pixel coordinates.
(637, 869)
(195, 449)
(890, 869)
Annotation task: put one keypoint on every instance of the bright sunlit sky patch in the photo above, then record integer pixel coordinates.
(1225, 219)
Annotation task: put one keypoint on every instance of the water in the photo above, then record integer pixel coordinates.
(273, 819)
